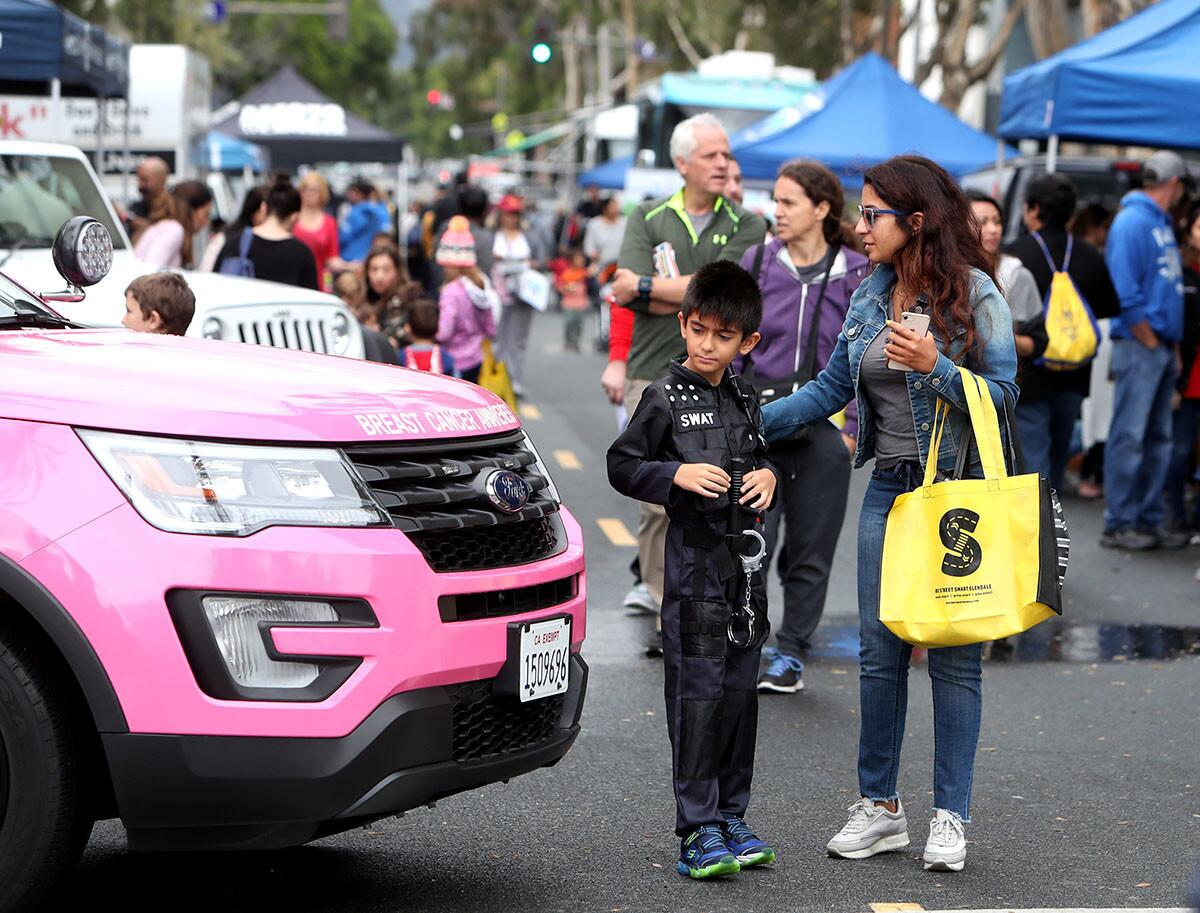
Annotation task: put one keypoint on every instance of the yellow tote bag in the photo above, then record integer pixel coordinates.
(970, 560)
(493, 375)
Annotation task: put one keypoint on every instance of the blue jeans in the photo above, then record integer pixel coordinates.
(883, 675)
(1185, 424)
(1139, 439)
(1046, 426)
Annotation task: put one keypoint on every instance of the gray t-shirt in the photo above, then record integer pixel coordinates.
(701, 222)
(887, 391)
(602, 240)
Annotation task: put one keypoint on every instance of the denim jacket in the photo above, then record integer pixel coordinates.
(837, 384)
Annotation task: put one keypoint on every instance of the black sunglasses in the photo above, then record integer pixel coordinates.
(870, 213)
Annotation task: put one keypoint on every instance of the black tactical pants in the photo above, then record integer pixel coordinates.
(712, 701)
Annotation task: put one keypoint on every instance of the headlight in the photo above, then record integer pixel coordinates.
(551, 489)
(213, 328)
(184, 486)
(339, 327)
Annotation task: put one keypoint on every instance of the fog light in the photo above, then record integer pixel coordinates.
(241, 627)
(213, 328)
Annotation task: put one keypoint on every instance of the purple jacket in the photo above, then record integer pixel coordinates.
(465, 319)
(788, 312)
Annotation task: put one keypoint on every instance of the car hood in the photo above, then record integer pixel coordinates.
(125, 381)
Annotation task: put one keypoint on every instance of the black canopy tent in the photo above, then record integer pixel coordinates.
(299, 125)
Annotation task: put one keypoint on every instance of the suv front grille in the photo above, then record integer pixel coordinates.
(309, 335)
(435, 493)
(485, 726)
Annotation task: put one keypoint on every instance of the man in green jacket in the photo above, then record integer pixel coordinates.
(701, 226)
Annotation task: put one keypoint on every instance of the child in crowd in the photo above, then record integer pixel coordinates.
(467, 303)
(159, 303)
(694, 446)
(572, 285)
(423, 351)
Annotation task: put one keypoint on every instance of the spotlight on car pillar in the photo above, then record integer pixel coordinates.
(83, 251)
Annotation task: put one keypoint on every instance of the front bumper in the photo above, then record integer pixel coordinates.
(189, 792)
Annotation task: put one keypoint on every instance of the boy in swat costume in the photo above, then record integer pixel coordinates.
(693, 445)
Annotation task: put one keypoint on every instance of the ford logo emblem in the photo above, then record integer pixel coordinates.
(507, 490)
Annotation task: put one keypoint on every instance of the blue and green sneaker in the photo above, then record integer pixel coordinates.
(703, 854)
(745, 844)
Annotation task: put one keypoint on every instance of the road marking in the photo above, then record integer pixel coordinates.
(567, 460)
(895, 907)
(616, 531)
(529, 411)
(1052, 909)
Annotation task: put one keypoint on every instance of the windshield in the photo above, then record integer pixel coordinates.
(40, 192)
(15, 300)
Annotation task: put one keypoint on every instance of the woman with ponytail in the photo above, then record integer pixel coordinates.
(277, 255)
(918, 230)
(807, 275)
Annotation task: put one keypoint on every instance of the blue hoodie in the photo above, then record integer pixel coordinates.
(365, 220)
(1143, 260)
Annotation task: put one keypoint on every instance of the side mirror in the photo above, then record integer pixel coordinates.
(83, 254)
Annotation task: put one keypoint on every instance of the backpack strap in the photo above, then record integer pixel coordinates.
(435, 361)
(758, 259)
(244, 244)
(1070, 246)
(1046, 251)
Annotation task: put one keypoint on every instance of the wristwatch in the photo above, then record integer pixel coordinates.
(645, 287)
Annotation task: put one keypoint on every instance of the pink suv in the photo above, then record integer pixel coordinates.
(250, 597)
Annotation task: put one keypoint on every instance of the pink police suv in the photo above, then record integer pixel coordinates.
(250, 597)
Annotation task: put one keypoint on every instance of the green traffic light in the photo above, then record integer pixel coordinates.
(541, 52)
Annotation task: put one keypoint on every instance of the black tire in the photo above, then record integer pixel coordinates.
(43, 822)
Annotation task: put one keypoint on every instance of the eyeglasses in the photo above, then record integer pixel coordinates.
(870, 213)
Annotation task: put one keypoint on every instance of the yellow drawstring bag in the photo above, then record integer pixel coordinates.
(970, 560)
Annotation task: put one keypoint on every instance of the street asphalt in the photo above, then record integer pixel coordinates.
(1086, 792)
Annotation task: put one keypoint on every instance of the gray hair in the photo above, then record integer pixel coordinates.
(683, 137)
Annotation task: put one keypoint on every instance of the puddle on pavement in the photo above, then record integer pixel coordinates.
(1053, 641)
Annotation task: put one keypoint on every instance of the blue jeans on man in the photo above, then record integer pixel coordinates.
(1046, 426)
(1138, 451)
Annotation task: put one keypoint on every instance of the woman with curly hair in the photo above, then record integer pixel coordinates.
(919, 233)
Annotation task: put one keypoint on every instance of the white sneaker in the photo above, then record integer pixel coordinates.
(946, 848)
(871, 829)
(640, 599)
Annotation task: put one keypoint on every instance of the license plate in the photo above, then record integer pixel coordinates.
(545, 658)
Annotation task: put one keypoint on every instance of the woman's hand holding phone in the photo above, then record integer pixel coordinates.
(910, 346)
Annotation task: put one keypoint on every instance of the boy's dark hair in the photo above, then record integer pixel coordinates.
(167, 293)
(726, 291)
(1054, 196)
(423, 318)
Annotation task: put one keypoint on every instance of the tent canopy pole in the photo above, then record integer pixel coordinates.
(1052, 154)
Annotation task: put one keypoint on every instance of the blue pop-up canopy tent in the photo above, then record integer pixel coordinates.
(41, 43)
(1132, 83)
(867, 114)
(228, 153)
(610, 175)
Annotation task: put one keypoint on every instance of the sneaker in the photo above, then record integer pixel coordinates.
(704, 854)
(871, 829)
(1129, 539)
(784, 675)
(1173, 538)
(640, 599)
(745, 844)
(946, 848)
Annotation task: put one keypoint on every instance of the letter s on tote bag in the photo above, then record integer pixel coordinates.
(970, 560)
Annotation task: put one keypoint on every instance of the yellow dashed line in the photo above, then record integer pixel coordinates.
(529, 412)
(895, 907)
(567, 460)
(616, 531)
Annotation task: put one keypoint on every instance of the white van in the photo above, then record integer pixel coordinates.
(44, 184)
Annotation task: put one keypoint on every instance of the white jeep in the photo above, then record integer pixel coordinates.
(44, 184)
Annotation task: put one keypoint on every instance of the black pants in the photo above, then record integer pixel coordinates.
(811, 505)
(711, 696)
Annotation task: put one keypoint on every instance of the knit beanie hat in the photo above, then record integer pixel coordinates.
(457, 246)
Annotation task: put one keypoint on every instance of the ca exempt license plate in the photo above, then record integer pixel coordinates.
(545, 658)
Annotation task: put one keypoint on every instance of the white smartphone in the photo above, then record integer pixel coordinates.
(919, 324)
